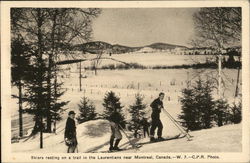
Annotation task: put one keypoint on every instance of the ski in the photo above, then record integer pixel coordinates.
(110, 151)
(137, 146)
(179, 136)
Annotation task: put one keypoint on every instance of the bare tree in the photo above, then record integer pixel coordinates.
(97, 61)
(218, 27)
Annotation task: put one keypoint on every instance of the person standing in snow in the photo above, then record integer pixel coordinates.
(70, 133)
(116, 135)
(156, 106)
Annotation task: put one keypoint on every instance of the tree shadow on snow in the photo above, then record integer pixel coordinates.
(97, 130)
(94, 149)
(97, 147)
(132, 140)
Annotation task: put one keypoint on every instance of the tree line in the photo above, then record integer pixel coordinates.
(199, 109)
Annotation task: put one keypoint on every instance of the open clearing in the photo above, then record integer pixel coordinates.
(126, 83)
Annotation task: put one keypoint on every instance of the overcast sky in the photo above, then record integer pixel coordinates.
(137, 26)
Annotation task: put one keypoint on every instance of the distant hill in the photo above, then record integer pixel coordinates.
(117, 49)
(164, 46)
(93, 47)
(100, 46)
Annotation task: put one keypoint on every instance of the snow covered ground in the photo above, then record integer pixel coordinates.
(125, 84)
(93, 136)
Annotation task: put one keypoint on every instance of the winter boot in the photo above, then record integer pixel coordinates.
(152, 139)
(111, 148)
(160, 139)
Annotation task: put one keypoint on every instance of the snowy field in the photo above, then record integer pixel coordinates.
(125, 84)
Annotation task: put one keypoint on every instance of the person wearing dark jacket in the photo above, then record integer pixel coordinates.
(115, 119)
(156, 106)
(70, 133)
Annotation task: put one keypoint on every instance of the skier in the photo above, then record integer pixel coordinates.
(115, 120)
(156, 106)
(70, 133)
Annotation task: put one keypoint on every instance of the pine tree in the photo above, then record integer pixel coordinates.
(137, 111)
(207, 103)
(188, 113)
(36, 92)
(111, 104)
(19, 72)
(197, 106)
(236, 113)
(87, 110)
(221, 112)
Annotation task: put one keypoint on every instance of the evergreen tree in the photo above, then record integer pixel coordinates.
(87, 110)
(137, 109)
(197, 106)
(137, 112)
(111, 104)
(36, 91)
(221, 112)
(236, 113)
(188, 111)
(207, 104)
(20, 55)
(56, 105)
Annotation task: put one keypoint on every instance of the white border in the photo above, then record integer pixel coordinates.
(7, 156)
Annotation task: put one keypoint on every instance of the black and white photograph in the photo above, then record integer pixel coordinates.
(141, 81)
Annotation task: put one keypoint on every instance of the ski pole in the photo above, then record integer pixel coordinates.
(183, 132)
(132, 144)
(181, 129)
(178, 123)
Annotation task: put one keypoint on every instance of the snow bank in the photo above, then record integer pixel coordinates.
(90, 134)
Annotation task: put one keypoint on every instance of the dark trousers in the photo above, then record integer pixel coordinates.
(156, 123)
(111, 142)
(145, 132)
(72, 149)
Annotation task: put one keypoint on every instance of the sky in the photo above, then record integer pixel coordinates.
(144, 26)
